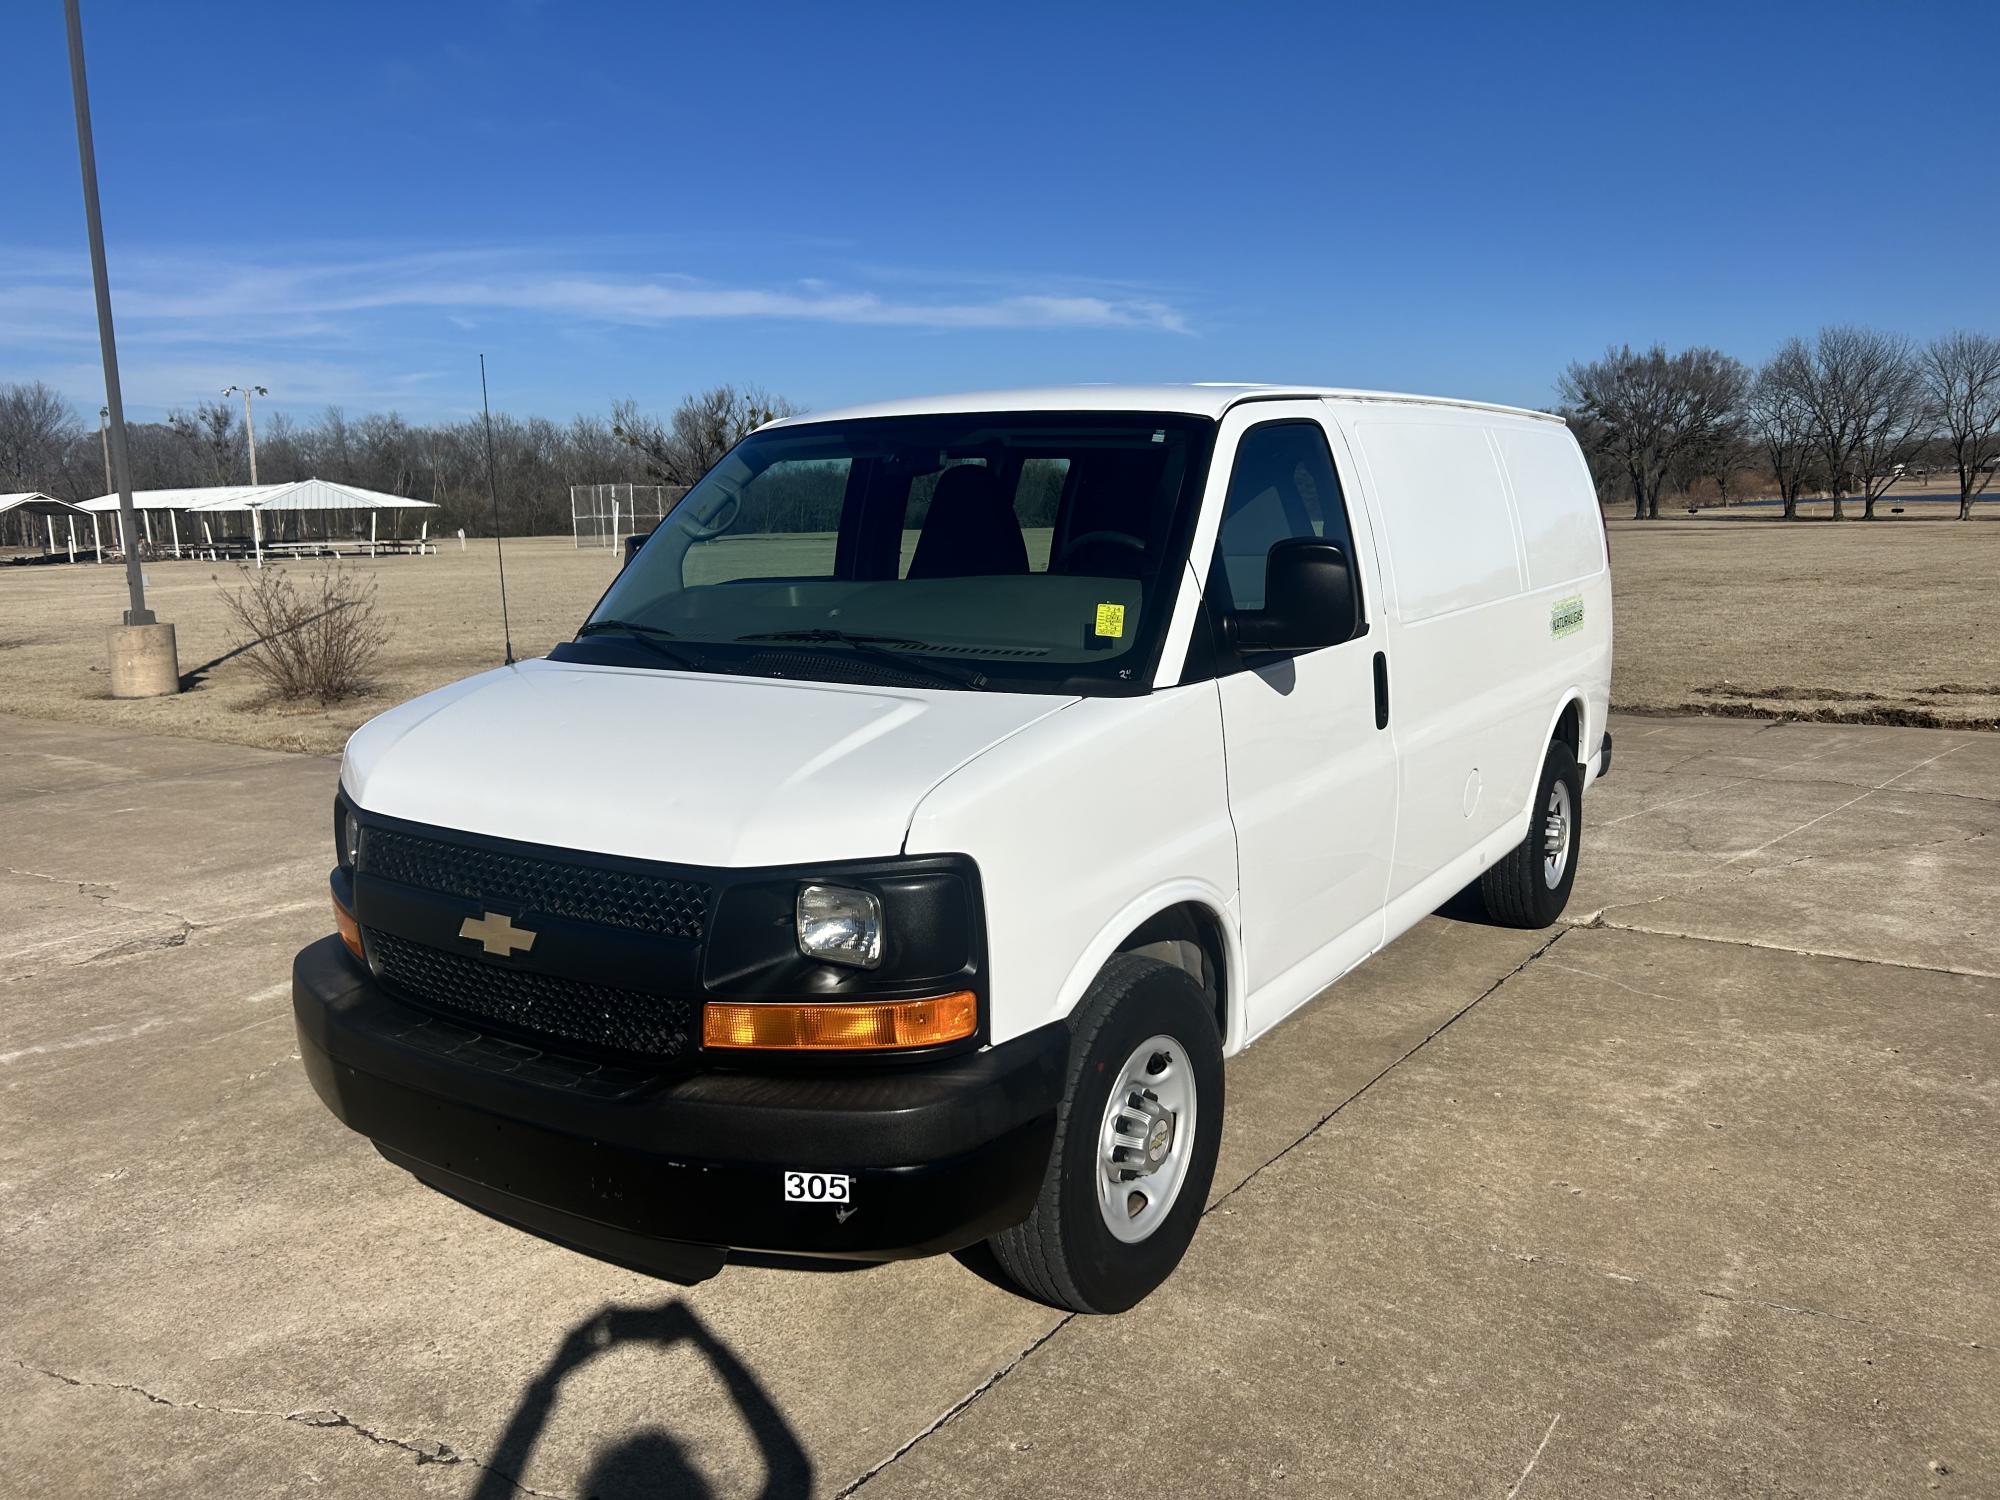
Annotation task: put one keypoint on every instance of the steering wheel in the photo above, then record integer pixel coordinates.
(1115, 538)
(721, 521)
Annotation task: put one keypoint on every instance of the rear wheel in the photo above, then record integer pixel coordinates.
(1529, 887)
(1135, 1145)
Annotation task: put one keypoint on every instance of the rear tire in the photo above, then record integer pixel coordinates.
(1103, 1235)
(1530, 885)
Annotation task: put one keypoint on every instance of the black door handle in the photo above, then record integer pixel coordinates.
(1381, 691)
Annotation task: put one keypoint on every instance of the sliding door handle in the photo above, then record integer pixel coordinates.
(1381, 691)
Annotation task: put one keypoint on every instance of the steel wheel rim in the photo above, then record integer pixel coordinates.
(1558, 830)
(1146, 1139)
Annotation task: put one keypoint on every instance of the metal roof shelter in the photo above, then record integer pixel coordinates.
(295, 506)
(35, 503)
(19, 511)
(298, 495)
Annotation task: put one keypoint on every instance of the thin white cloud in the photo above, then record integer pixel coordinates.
(152, 382)
(217, 300)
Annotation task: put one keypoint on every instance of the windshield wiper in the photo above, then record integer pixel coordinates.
(649, 636)
(882, 648)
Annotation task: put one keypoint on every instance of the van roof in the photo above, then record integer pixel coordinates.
(1203, 399)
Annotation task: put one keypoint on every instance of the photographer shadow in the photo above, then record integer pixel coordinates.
(650, 1462)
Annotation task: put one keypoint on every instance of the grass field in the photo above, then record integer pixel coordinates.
(1894, 621)
(1898, 621)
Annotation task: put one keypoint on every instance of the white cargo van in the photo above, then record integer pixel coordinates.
(938, 797)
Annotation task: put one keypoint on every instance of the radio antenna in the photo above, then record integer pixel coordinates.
(493, 489)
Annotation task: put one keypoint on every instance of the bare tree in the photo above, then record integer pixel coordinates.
(1783, 424)
(1647, 412)
(36, 430)
(1961, 376)
(703, 428)
(212, 439)
(1865, 406)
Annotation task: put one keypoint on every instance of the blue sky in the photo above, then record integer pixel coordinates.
(348, 203)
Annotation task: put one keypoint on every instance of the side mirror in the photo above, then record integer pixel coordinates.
(1309, 600)
(632, 546)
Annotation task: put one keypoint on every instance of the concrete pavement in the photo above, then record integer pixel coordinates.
(1694, 1195)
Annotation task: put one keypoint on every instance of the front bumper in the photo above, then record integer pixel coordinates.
(638, 1168)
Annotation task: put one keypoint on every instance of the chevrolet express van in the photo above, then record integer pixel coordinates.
(938, 797)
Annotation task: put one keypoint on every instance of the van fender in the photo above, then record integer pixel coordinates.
(1141, 909)
(1574, 693)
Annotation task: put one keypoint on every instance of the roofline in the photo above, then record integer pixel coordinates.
(1205, 399)
(1408, 398)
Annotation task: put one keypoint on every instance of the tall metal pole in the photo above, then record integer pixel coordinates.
(249, 426)
(135, 580)
(493, 489)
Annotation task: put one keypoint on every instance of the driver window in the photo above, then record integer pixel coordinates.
(1283, 485)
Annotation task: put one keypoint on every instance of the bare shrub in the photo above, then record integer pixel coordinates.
(319, 641)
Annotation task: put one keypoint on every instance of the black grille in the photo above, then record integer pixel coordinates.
(656, 1027)
(586, 893)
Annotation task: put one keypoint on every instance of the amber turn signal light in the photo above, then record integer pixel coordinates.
(842, 1028)
(350, 930)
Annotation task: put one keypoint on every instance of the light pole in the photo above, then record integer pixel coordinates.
(249, 427)
(104, 441)
(144, 661)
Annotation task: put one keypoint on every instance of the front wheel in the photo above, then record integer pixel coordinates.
(1136, 1140)
(1529, 886)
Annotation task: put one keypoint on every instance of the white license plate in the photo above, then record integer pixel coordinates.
(816, 1187)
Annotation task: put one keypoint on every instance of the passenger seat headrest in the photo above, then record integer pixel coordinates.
(970, 529)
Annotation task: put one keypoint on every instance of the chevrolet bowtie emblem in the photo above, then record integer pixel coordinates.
(496, 933)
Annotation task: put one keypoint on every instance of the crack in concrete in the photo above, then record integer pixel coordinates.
(966, 1401)
(146, 943)
(1437, 1031)
(1901, 791)
(1696, 881)
(425, 1450)
(97, 890)
(957, 1406)
(1600, 922)
(1836, 811)
(1735, 747)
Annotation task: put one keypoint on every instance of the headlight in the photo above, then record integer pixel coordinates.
(840, 925)
(346, 838)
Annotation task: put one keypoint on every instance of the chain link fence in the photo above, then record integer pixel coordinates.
(603, 515)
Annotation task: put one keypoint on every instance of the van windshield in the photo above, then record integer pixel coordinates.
(1012, 551)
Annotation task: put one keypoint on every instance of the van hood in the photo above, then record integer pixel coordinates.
(682, 767)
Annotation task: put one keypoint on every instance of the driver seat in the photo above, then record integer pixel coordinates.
(1112, 503)
(970, 529)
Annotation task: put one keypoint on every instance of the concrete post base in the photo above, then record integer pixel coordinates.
(145, 661)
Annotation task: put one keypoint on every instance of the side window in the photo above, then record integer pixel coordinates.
(781, 523)
(1283, 486)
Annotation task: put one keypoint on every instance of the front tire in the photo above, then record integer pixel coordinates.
(1136, 1140)
(1530, 885)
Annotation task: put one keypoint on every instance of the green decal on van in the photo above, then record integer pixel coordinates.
(1566, 616)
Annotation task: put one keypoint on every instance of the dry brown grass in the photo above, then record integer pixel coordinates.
(442, 614)
(1895, 621)
(1743, 614)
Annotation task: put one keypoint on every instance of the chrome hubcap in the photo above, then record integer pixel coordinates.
(1557, 821)
(1146, 1139)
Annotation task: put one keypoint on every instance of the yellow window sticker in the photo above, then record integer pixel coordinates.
(1111, 620)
